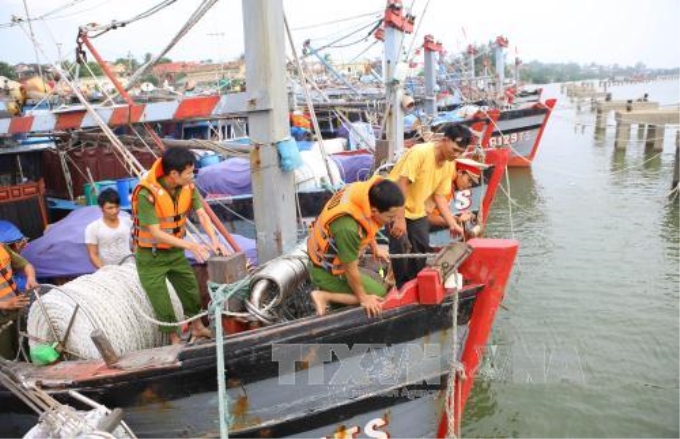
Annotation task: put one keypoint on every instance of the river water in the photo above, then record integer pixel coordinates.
(587, 342)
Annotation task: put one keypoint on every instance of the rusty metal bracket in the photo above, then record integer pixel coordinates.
(451, 257)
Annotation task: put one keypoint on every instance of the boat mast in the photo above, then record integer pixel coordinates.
(432, 48)
(517, 64)
(500, 46)
(309, 50)
(273, 189)
(396, 25)
(472, 53)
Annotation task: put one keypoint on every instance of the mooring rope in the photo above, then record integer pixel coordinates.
(453, 398)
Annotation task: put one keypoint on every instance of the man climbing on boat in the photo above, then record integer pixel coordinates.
(160, 206)
(468, 173)
(424, 171)
(340, 235)
(11, 299)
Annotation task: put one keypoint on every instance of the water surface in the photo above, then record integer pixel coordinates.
(587, 342)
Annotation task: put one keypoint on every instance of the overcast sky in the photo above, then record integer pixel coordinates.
(583, 31)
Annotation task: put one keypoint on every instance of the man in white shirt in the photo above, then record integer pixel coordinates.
(108, 238)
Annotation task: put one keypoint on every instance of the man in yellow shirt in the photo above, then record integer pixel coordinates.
(424, 171)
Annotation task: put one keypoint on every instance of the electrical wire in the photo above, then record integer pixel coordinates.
(312, 26)
(202, 9)
(116, 24)
(373, 24)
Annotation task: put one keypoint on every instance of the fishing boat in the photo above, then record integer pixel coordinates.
(523, 114)
(288, 373)
(520, 130)
(226, 184)
(308, 377)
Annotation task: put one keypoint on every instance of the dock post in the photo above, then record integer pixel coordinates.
(655, 135)
(601, 118)
(622, 132)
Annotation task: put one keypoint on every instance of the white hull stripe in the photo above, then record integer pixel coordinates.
(78, 118)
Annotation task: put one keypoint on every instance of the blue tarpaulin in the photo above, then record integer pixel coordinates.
(9, 233)
(62, 252)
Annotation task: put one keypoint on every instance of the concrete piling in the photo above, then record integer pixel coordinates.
(602, 109)
(656, 119)
(622, 133)
(655, 135)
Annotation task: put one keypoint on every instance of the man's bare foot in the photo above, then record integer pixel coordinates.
(198, 330)
(174, 338)
(319, 302)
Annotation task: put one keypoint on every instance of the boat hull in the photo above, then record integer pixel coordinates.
(313, 377)
(521, 131)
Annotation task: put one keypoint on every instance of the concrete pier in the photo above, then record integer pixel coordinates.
(583, 93)
(655, 119)
(627, 81)
(602, 109)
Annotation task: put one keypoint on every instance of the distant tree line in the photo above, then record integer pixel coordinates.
(537, 72)
(91, 68)
(542, 73)
(7, 70)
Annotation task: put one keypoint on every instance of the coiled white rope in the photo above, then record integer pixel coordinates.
(111, 299)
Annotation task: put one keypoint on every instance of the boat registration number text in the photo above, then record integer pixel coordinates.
(509, 139)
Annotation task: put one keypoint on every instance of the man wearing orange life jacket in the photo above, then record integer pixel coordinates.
(340, 235)
(11, 300)
(160, 206)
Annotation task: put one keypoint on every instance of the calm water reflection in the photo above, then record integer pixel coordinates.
(587, 342)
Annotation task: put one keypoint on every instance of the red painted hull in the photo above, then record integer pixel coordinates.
(519, 160)
(490, 263)
(500, 159)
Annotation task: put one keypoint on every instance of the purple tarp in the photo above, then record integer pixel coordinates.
(230, 177)
(355, 167)
(61, 252)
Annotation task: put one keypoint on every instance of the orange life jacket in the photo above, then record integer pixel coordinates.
(172, 216)
(353, 201)
(8, 287)
(510, 94)
(299, 120)
(435, 210)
